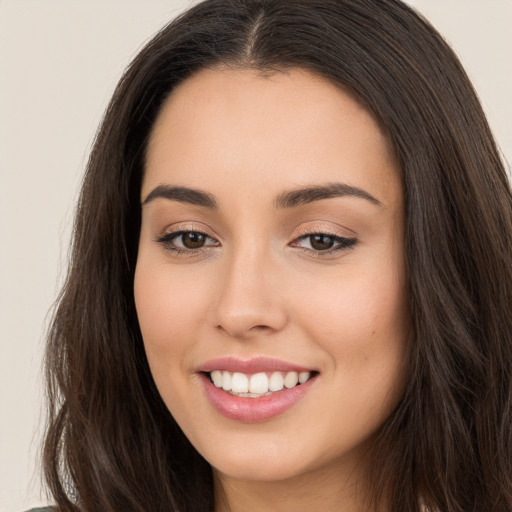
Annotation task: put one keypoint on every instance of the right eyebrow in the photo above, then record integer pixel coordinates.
(305, 195)
(182, 195)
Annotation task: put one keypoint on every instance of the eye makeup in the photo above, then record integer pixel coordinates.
(191, 242)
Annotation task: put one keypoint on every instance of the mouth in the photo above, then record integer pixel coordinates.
(259, 384)
(255, 390)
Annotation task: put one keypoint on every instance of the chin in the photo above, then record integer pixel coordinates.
(259, 470)
(257, 461)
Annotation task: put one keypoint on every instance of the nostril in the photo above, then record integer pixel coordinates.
(260, 328)
(242, 331)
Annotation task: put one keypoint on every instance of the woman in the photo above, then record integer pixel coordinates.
(291, 284)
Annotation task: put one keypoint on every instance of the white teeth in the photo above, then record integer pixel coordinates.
(226, 381)
(303, 377)
(217, 378)
(240, 383)
(276, 382)
(291, 379)
(258, 384)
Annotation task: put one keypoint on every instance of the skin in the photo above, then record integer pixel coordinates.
(258, 287)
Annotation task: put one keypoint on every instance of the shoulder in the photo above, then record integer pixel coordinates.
(42, 509)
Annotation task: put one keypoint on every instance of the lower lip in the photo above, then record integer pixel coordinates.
(252, 410)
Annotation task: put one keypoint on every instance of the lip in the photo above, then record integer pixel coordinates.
(252, 410)
(251, 366)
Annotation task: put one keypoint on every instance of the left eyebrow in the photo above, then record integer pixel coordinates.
(305, 195)
(182, 195)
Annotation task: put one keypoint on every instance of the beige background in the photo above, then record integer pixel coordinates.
(59, 63)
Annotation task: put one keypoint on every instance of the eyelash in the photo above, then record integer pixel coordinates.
(167, 241)
(340, 243)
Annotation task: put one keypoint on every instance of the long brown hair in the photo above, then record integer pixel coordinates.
(112, 445)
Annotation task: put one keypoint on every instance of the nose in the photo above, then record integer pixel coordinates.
(250, 302)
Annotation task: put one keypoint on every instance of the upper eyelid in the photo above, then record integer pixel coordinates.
(305, 232)
(185, 228)
(339, 238)
(327, 232)
(297, 236)
(327, 226)
(171, 235)
(300, 232)
(178, 232)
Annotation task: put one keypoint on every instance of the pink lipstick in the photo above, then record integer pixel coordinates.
(254, 390)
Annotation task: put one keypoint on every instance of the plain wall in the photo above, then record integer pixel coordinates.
(59, 63)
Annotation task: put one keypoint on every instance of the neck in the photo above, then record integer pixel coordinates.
(326, 490)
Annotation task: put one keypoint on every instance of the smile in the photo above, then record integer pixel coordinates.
(255, 390)
(258, 384)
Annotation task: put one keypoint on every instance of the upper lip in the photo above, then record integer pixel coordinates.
(251, 366)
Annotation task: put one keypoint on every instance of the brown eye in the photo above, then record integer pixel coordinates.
(187, 241)
(321, 242)
(193, 239)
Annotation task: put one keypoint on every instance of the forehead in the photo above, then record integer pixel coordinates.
(288, 128)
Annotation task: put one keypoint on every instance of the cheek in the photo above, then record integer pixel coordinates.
(359, 308)
(168, 310)
(364, 329)
(363, 326)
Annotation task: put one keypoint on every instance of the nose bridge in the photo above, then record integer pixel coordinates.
(249, 299)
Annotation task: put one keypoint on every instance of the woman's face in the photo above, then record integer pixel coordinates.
(272, 250)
